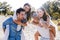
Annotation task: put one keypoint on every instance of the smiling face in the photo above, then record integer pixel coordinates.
(27, 8)
(21, 15)
(36, 19)
(40, 13)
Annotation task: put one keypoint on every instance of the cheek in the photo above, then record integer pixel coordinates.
(22, 16)
(40, 14)
(27, 10)
(18, 16)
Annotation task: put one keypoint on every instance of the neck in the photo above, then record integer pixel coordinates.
(40, 17)
(35, 22)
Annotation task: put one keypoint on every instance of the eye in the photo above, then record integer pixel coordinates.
(27, 7)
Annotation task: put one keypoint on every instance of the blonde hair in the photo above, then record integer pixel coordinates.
(45, 15)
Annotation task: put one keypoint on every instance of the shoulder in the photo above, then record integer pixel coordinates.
(8, 21)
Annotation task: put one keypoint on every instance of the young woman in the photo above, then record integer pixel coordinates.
(27, 8)
(43, 30)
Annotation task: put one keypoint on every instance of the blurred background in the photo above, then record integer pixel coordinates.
(8, 7)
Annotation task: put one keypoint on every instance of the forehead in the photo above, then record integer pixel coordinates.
(39, 10)
(35, 14)
(26, 6)
(22, 12)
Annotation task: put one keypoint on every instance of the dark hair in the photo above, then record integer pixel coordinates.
(45, 14)
(29, 12)
(27, 4)
(19, 10)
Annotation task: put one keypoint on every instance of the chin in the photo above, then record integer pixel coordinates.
(22, 18)
(40, 16)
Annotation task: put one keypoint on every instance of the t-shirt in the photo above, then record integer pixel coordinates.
(44, 32)
(29, 31)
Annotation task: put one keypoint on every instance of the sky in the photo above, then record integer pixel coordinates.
(19, 3)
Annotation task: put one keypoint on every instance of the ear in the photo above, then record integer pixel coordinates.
(17, 14)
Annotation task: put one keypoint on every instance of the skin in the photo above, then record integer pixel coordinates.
(36, 35)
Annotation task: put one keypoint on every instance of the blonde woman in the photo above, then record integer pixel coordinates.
(44, 26)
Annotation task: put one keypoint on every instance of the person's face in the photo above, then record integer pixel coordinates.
(36, 19)
(21, 15)
(40, 13)
(27, 8)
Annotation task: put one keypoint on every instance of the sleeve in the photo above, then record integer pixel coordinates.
(6, 23)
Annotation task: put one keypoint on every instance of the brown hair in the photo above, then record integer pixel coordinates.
(29, 12)
(45, 15)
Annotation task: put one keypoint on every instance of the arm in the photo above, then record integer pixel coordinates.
(6, 22)
(36, 35)
(51, 36)
(52, 30)
(4, 26)
(51, 27)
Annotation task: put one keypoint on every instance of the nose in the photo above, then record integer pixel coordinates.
(39, 13)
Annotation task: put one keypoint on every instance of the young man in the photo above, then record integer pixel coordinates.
(15, 26)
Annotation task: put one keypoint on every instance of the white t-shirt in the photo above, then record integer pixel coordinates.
(29, 31)
(44, 32)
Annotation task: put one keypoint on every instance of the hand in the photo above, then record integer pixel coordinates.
(46, 25)
(19, 23)
(40, 23)
(24, 24)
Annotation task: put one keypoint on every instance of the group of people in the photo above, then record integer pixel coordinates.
(27, 26)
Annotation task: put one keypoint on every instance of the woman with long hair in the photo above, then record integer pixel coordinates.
(27, 8)
(44, 26)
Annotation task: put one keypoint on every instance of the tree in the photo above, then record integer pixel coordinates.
(53, 8)
(6, 7)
